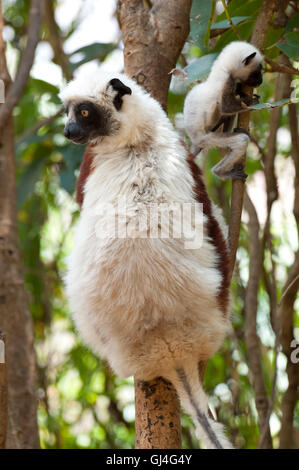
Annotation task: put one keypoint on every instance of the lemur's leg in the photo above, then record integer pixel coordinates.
(230, 167)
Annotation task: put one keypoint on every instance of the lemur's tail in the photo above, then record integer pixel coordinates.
(194, 401)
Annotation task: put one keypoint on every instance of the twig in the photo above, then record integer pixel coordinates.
(278, 67)
(56, 41)
(258, 38)
(255, 250)
(230, 21)
(17, 88)
(33, 130)
(265, 428)
(287, 289)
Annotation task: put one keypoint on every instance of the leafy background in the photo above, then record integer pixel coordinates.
(81, 403)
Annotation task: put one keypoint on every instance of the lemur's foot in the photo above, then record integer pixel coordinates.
(237, 173)
(240, 130)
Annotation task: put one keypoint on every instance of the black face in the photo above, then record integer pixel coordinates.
(255, 78)
(90, 121)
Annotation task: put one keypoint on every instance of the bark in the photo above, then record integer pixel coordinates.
(286, 306)
(16, 90)
(286, 315)
(154, 34)
(157, 420)
(15, 317)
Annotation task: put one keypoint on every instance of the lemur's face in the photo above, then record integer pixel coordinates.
(254, 70)
(89, 119)
(255, 78)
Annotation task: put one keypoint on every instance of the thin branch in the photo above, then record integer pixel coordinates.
(255, 250)
(56, 41)
(230, 21)
(287, 289)
(34, 129)
(17, 88)
(279, 67)
(258, 39)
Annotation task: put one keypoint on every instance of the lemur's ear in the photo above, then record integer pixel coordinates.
(121, 89)
(249, 58)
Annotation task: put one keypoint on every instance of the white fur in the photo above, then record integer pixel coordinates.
(202, 108)
(146, 305)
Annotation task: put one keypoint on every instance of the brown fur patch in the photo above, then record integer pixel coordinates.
(85, 170)
(214, 231)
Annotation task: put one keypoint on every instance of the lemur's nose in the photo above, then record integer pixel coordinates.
(72, 130)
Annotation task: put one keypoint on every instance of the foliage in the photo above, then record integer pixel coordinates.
(81, 404)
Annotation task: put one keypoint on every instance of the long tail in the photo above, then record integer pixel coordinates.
(194, 401)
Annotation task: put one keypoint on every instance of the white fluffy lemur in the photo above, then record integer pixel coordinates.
(215, 102)
(149, 305)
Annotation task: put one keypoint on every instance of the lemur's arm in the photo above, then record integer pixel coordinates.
(231, 103)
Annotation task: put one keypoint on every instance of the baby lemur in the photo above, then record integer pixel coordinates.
(148, 302)
(212, 105)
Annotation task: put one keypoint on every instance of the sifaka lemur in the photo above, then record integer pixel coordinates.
(211, 106)
(151, 305)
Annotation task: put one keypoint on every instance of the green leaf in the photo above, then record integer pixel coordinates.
(273, 35)
(200, 21)
(275, 104)
(293, 23)
(72, 156)
(291, 47)
(201, 67)
(244, 29)
(225, 24)
(237, 8)
(175, 103)
(93, 51)
(291, 51)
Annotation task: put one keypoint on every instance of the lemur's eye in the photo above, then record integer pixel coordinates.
(84, 112)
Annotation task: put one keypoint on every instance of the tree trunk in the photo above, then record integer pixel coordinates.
(15, 317)
(154, 33)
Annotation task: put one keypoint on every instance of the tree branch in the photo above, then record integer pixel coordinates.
(153, 39)
(255, 251)
(17, 88)
(279, 67)
(56, 41)
(257, 39)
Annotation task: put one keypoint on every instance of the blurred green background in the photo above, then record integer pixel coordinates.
(81, 403)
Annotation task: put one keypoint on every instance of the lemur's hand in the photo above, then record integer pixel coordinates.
(243, 104)
(255, 99)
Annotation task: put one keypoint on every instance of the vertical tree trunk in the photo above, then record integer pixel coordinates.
(15, 317)
(154, 33)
